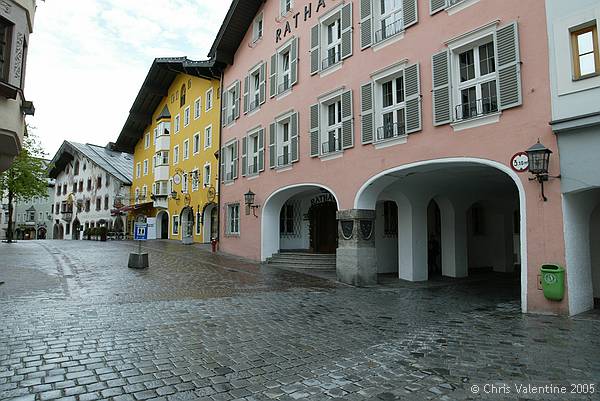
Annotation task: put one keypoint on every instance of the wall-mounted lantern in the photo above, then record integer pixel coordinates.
(249, 200)
(539, 162)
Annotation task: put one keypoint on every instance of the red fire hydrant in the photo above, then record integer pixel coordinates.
(213, 243)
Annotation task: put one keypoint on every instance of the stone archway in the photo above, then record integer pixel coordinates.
(210, 222)
(187, 225)
(162, 225)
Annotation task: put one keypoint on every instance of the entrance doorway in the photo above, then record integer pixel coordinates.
(76, 231)
(162, 225)
(41, 233)
(323, 227)
(210, 222)
(187, 226)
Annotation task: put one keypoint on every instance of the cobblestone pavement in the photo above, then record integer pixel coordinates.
(75, 324)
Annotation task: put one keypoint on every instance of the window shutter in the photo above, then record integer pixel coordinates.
(346, 31)
(237, 100)
(263, 82)
(246, 92)
(273, 76)
(261, 150)
(442, 103)
(366, 109)
(294, 62)
(315, 52)
(222, 160)
(314, 130)
(509, 66)
(347, 131)
(294, 136)
(272, 146)
(244, 155)
(411, 15)
(436, 6)
(412, 96)
(235, 159)
(224, 109)
(366, 23)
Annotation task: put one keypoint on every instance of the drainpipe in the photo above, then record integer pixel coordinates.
(220, 155)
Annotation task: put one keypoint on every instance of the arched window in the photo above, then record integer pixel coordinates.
(182, 97)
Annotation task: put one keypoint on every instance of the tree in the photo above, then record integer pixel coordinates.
(26, 178)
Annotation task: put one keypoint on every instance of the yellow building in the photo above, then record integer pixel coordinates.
(173, 132)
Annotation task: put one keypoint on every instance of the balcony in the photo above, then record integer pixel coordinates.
(162, 143)
(161, 173)
(390, 131)
(389, 30)
(476, 108)
(284, 160)
(285, 85)
(160, 201)
(253, 105)
(330, 60)
(253, 169)
(332, 146)
(229, 118)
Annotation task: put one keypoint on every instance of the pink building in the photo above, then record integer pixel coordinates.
(382, 132)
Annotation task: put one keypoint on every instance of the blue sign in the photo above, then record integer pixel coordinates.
(140, 232)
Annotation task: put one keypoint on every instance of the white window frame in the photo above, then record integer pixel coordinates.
(184, 183)
(233, 219)
(176, 154)
(206, 177)
(175, 224)
(280, 144)
(232, 99)
(146, 140)
(396, 27)
(334, 18)
(195, 182)
(186, 116)
(208, 136)
(196, 143)
(281, 72)
(137, 195)
(254, 90)
(208, 96)
(325, 128)
(229, 160)
(258, 27)
(197, 108)
(251, 154)
(177, 123)
(144, 193)
(186, 149)
(145, 167)
(138, 170)
(162, 158)
(379, 79)
(393, 109)
(155, 134)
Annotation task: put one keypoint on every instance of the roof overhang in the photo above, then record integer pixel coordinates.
(63, 156)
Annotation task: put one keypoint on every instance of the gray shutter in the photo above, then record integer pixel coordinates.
(412, 96)
(273, 76)
(314, 130)
(246, 93)
(261, 150)
(347, 131)
(263, 82)
(237, 100)
(409, 8)
(244, 155)
(272, 146)
(436, 6)
(346, 31)
(509, 66)
(442, 103)
(366, 23)
(235, 159)
(366, 110)
(294, 62)
(294, 136)
(222, 160)
(224, 109)
(315, 52)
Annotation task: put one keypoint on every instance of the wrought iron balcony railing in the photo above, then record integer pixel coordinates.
(331, 146)
(476, 108)
(389, 30)
(330, 60)
(389, 131)
(284, 159)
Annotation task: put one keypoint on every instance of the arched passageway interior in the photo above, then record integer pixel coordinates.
(162, 225)
(187, 225)
(210, 224)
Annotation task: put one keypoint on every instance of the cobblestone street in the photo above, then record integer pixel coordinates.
(76, 324)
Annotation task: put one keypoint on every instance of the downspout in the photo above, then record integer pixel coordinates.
(220, 155)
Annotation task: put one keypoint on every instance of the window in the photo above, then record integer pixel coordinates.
(176, 154)
(146, 167)
(98, 203)
(392, 121)
(87, 202)
(195, 180)
(186, 116)
(208, 137)
(184, 183)
(74, 187)
(233, 219)
(390, 219)
(231, 103)
(209, 100)
(255, 152)
(138, 172)
(331, 127)
(198, 223)
(182, 97)
(58, 190)
(155, 134)
(206, 175)
(147, 140)
(196, 143)
(285, 7)
(255, 88)
(76, 169)
(57, 208)
(64, 190)
(229, 161)
(197, 108)
(106, 202)
(286, 219)
(162, 158)
(257, 28)
(177, 123)
(107, 179)
(5, 41)
(144, 192)
(332, 39)
(186, 149)
(332, 140)
(284, 68)
(175, 225)
(390, 19)
(80, 186)
(284, 149)
(586, 56)
(137, 194)
(284, 154)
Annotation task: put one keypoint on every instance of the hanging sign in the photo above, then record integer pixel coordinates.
(520, 162)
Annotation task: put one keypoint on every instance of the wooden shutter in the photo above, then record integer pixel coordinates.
(412, 96)
(411, 15)
(314, 130)
(246, 92)
(236, 113)
(222, 160)
(273, 76)
(509, 66)
(224, 109)
(346, 31)
(294, 136)
(272, 146)
(315, 49)
(244, 155)
(442, 103)
(366, 23)
(263, 82)
(436, 6)
(294, 61)
(366, 110)
(261, 150)
(235, 159)
(347, 117)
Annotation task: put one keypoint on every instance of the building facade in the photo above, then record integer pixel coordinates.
(173, 132)
(575, 84)
(4, 216)
(16, 23)
(92, 186)
(33, 219)
(384, 132)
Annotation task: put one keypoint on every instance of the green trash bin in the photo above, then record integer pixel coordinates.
(553, 282)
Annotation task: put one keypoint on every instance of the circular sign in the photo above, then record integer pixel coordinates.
(520, 162)
(210, 194)
(177, 179)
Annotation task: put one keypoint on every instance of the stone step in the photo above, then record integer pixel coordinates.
(289, 255)
(303, 260)
(300, 262)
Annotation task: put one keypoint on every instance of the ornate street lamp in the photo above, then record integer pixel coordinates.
(249, 200)
(539, 160)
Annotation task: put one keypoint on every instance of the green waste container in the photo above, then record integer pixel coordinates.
(553, 282)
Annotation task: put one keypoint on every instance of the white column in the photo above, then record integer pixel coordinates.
(454, 238)
(412, 239)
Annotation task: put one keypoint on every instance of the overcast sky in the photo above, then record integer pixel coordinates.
(88, 58)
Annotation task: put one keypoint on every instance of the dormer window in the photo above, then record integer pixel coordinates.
(257, 28)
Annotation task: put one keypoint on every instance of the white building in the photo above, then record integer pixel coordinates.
(92, 184)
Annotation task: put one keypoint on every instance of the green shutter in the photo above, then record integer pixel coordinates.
(294, 62)
(366, 109)
(224, 108)
(314, 130)
(235, 159)
(273, 76)
(509, 66)
(246, 92)
(412, 96)
(223, 172)
(436, 6)
(347, 131)
(272, 146)
(442, 104)
(244, 155)
(294, 136)
(346, 31)
(261, 150)
(410, 10)
(315, 52)
(236, 112)
(366, 24)
(263, 82)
